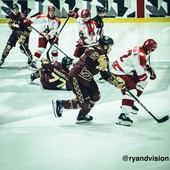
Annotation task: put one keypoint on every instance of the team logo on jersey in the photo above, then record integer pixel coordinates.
(85, 74)
(94, 55)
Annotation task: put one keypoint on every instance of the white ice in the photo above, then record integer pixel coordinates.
(31, 138)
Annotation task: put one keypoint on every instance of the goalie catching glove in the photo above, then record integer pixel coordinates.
(116, 81)
(102, 63)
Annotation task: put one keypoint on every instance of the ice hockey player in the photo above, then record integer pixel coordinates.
(20, 33)
(82, 83)
(53, 75)
(133, 68)
(87, 31)
(98, 20)
(50, 24)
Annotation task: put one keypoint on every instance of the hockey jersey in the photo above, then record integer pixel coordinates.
(87, 31)
(99, 25)
(134, 60)
(48, 26)
(54, 76)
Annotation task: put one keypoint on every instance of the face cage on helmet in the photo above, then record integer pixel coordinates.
(86, 19)
(149, 49)
(67, 63)
(15, 11)
(102, 14)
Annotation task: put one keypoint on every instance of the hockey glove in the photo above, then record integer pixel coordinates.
(151, 72)
(29, 29)
(13, 25)
(73, 14)
(116, 81)
(44, 60)
(102, 63)
(47, 36)
(23, 37)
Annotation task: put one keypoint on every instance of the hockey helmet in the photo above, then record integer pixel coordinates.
(14, 6)
(67, 62)
(51, 8)
(85, 15)
(149, 45)
(100, 9)
(105, 40)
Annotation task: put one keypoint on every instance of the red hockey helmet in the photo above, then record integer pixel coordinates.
(149, 45)
(85, 15)
(51, 8)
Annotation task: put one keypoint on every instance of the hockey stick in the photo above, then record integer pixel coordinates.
(75, 10)
(53, 44)
(24, 48)
(48, 56)
(165, 118)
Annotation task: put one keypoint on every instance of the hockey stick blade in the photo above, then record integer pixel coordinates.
(165, 118)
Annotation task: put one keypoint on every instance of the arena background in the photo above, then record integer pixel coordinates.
(116, 10)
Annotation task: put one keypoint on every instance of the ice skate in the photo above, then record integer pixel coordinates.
(81, 118)
(134, 110)
(124, 120)
(31, 78)
(1, 62)
(33, 65)
(57, 108)
(101, 80)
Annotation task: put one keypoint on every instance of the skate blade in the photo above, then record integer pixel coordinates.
(123, 123)
(54, 110)
(83, 121)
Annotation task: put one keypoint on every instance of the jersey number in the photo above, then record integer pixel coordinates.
(56, 78)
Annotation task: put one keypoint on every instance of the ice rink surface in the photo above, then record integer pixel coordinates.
(31, 138)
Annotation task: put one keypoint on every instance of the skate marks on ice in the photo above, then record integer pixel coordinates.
(14, 66)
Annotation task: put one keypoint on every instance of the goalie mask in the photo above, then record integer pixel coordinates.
(106, 43)
(67, 62)
(149, 46)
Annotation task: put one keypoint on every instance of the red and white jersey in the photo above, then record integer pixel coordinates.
(134, 60)
(48, 26)
(88, 31)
